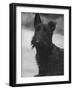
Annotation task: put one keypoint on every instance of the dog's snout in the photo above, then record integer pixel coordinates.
(34, 42)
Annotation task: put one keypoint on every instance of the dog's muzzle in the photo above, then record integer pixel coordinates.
(34, 43)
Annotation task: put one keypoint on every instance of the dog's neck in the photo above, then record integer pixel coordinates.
(44, 49)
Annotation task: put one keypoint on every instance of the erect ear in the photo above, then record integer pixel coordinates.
(52, 25)
(37, 19)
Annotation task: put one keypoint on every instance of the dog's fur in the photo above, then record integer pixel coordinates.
(50, 58)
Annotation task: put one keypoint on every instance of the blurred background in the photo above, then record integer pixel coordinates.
(29, 66)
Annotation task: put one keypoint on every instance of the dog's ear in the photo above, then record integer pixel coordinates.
(37, 19)
(52, 25)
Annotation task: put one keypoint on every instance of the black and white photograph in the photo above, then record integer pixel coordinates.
(41, 44)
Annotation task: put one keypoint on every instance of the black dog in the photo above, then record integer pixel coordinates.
(50, 58)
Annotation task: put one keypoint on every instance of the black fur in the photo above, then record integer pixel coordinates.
(50, 58)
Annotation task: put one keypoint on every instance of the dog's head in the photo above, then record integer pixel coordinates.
(43, 32)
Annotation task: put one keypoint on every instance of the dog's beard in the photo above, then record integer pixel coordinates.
(41, 45)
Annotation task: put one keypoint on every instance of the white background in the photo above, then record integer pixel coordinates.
(4, 45)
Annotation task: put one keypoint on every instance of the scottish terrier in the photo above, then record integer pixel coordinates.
(49, 57)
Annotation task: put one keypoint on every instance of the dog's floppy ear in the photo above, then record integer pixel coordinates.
(52, 25)
(37, 19)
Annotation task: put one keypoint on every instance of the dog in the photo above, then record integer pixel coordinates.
(49, 57)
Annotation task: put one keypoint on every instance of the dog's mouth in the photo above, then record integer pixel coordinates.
(35, 44)
(40, 44)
